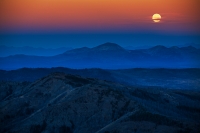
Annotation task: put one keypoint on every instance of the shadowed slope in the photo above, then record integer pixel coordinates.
(68, 103)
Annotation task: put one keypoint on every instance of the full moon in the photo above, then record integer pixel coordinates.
(156, 18)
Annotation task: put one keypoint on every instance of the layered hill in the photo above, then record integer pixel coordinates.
(110, 56)
(7, 51)
(66, 103)
(166, 78)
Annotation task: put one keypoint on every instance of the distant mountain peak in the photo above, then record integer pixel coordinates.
(174, 47)
(189, 48)
(159, 47)
(192, 44)
(109, 46)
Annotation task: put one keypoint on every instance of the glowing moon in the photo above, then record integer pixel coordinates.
(156, 18)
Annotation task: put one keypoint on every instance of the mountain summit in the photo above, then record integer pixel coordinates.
(158, 47)
(108, 46)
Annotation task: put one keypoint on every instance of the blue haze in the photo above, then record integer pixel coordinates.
(76, 40)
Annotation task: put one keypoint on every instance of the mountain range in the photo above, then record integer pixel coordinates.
(65, 103)
(145, 47)
(7, 51)
(110, 56)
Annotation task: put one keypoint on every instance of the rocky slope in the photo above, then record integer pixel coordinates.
(66, 103)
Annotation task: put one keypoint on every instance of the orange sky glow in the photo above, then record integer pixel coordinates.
(97, 15)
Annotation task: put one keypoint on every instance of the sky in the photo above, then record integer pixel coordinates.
(78, 23)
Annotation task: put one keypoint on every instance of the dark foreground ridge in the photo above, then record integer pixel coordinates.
(64, 103)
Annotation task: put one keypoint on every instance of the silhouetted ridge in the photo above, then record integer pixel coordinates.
(78, 50)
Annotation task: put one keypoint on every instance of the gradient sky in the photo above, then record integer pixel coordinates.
(106, 20)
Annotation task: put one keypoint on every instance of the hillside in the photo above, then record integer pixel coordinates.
(66, 103)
